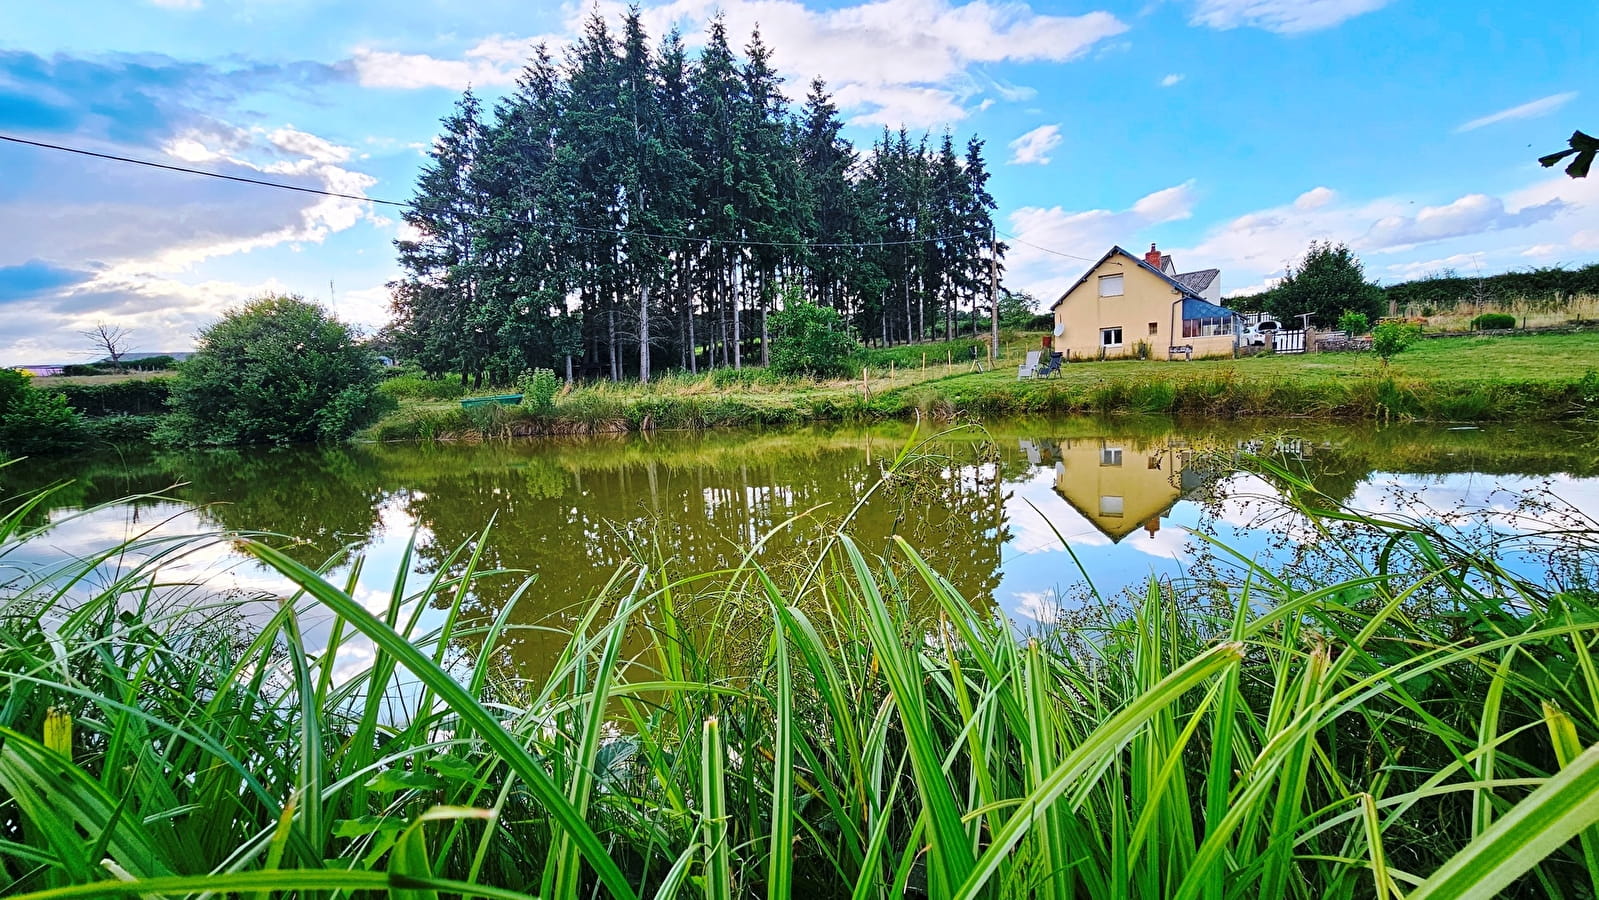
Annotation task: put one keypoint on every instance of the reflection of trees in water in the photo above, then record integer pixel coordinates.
(326, 498)
(701, 519)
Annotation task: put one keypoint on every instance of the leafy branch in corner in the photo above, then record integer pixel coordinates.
(1583, 146)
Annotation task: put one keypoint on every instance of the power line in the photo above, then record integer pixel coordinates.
(259, 182)
(1047, 250)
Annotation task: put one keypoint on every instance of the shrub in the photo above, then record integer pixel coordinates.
(276, 371)
(122, 429)
(1493, 322)
(538, 389)
(77, 371)
(1353, 322)
(135, 397)
(416, 386)
(810, 340)
(35, 421)
(1391, 338)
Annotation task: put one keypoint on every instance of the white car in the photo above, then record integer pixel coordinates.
(1261, 333)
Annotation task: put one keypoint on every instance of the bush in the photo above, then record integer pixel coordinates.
(35, 421)
(1493, 322)
(416, 386)
(136, 397)
(122, 429)
(277, 371)
(810, 340)
(1391, 338)
(538, 389)
(77, 371)
(1353, 323)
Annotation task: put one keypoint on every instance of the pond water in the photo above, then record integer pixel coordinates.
(1025, 517)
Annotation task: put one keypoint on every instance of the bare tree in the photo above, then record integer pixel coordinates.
(114, 340)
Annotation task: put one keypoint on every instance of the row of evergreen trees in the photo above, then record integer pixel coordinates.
(629, 209)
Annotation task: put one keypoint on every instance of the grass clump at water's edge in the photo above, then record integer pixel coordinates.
(1418, 728)
(1526, 378)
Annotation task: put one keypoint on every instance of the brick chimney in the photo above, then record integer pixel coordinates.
(1153, 256)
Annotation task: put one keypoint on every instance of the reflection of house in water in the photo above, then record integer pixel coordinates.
(1121, 486)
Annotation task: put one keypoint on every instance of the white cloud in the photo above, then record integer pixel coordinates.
(178, 4)
(1281, 16)
(1315, 198)
(1585, 240)
(1542, 250)
(1172, 80)
(1033, 148)
(891, 62)
(1531, 110)
(1086, 234)
(1254, 248)
(139, 259)
(1471, 214)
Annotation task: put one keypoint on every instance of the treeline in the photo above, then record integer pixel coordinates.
(1553, 287)
(632, 208)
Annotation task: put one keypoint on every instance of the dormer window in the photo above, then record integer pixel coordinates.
(1110, 285)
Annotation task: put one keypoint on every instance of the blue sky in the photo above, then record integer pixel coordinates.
(1231, 132)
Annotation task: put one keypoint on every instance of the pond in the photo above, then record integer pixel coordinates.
(1030, 518)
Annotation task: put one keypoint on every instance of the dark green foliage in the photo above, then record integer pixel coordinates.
(1391, 338)
(138, 397)
(630, 209)
(810, 340)
(1328, 282)
(277, 371)
(76, 370)
(1493, 322)
(131, 429)
(1354, 322)
(34, 421)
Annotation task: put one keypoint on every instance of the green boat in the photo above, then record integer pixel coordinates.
(502, 399)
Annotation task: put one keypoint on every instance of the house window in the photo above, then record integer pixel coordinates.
(1110, 456)
(1154, 328)
(1110, 337)
(1110, 506)
(1110, 285)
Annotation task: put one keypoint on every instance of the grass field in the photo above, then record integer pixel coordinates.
(1543, 377)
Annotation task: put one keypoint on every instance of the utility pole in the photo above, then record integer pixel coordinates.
(993, 295)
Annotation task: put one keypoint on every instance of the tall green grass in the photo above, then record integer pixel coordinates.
(1425, 728)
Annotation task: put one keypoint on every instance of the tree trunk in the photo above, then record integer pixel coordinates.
(738, 349)
(644, 336)
(616, 362)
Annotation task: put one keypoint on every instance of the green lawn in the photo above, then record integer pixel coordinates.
(1527, 358)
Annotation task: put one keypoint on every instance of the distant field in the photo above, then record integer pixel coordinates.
(52, 380)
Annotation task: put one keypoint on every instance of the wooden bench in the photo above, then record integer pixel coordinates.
(1187, 350)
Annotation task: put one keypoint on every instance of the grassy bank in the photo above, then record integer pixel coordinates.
(1469, 379)
(1418, 726)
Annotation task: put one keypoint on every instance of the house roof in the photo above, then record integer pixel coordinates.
(1183, 289)
(1198, 281)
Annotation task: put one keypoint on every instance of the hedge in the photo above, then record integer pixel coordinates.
(138, 397)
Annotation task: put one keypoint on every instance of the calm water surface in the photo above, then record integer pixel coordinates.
(994, 510)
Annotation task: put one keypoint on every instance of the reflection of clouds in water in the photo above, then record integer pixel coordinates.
(1033, 507)
(1042, 607)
